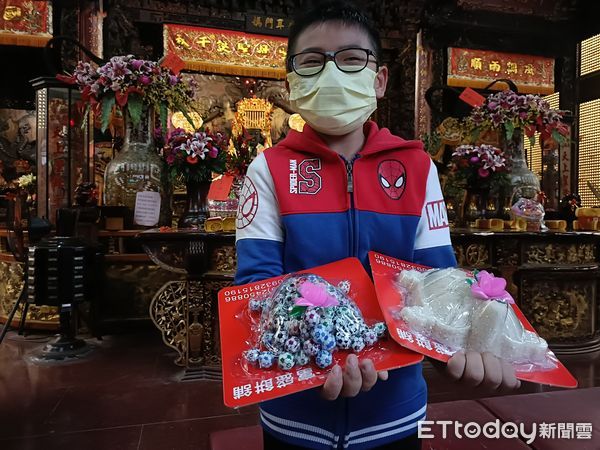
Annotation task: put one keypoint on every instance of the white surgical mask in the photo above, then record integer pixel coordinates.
(334, 102)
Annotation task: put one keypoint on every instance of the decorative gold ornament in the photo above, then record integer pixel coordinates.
(252, 114)
(296, 122)
(559, 310)
(552, 253)
(11, 282)
(11, 12)
(227, 52)
(180, 121)
(224, 259)
(229, 224)
(186, 313)
(167, 311)
(450, 130)
(472, 255)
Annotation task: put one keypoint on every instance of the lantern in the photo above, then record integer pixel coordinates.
(65, 150)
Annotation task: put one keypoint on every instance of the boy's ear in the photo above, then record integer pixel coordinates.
(381, 82)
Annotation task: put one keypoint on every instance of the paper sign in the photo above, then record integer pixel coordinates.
(173, 62)
(244, 384)
(385, 270)
(147, 208)
(471, 97)
(219, 188)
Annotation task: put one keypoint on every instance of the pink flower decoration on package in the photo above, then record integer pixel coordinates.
(315, 295)
(488, 287)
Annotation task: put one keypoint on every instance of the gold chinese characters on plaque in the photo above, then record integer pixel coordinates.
(227, 52)
(478, 68)
(269, 24)
(25, 22)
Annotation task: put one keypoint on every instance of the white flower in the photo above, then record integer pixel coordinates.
(26, 180)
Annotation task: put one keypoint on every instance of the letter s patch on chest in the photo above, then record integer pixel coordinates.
(305, 177)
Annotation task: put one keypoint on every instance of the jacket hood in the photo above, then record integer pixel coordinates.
(377, 140)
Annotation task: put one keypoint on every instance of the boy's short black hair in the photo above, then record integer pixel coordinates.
(334, 11)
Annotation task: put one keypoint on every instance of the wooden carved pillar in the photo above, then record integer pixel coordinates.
(423, 81)
(186, 311)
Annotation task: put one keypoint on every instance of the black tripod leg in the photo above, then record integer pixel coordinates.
(12, 315)
(23, 317)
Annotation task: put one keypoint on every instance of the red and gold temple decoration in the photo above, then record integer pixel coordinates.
(25, 22)
(253, 114)
(478, 68)
(227, 52)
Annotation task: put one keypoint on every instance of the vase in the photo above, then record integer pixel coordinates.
(137, 168)
(196, 210)
(523, 182)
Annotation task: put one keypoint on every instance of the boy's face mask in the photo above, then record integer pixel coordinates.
(334, 102)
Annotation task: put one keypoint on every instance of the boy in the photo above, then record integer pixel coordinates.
(340, 188)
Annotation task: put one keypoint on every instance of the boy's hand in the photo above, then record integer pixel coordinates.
(356, 377)
(482, 369)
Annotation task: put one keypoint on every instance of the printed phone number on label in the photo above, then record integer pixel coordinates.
(237, 294)
(388, 262)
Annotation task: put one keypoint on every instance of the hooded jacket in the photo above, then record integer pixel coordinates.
(302, 205)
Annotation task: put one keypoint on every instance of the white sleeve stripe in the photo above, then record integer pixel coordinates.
(258, 211)
(433, 229)
(260, 237)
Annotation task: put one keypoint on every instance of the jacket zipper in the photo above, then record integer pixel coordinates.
(353, 251)
(353, 226)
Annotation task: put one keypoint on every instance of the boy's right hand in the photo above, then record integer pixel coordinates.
(354, 378)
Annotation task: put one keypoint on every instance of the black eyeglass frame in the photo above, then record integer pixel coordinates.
(330, 56)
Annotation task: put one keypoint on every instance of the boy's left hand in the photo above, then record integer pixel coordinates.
(357, 376)
(482, 369)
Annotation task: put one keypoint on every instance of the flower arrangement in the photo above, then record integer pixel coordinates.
(477, 165)
(26, 182)
(511, 111)
(128, 83)
(242, 154)
(195, 156)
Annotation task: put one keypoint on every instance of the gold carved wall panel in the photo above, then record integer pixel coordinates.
(557, 253)
(559, 310)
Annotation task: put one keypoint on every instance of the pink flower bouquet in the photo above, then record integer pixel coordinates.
(479, 164)
(127, 83)
(196, 155)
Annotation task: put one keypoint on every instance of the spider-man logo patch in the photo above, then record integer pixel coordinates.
(248, 204)
(392, 178)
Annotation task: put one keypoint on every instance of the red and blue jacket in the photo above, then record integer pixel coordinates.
(302, 205)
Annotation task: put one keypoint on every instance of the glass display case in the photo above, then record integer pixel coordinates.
(65, 151)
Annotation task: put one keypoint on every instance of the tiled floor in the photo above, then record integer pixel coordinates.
(126, 395)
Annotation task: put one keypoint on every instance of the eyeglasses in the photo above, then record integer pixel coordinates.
(350, 60)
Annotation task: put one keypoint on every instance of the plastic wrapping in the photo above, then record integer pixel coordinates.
(303, 321)
(446, 310)
(531, 211)
(469, 312)
(249, 312)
